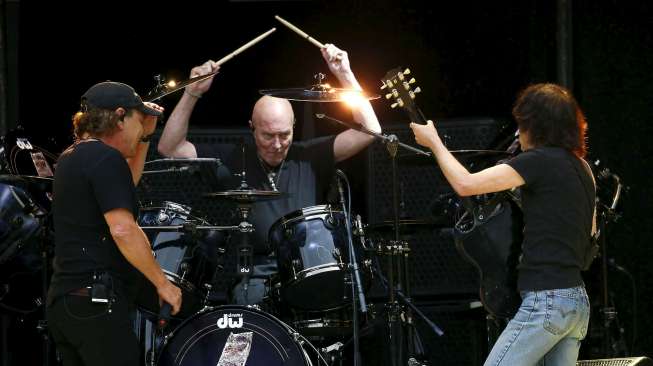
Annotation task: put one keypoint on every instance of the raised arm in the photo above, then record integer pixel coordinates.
(173, 142)
(494, 179)
(137, 161)
(349, 143)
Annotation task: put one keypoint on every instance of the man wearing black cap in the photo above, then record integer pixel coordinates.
(101, 254)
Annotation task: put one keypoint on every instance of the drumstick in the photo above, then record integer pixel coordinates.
(244, 47)
(196, 79)
(299, 31)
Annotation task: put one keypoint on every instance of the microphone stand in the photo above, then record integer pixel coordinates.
(395, 310)
(354, 274)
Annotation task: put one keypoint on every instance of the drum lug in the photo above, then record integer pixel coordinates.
(336, 255)
(184, 269)
(162, 217)
(288, 232)
(295, 265)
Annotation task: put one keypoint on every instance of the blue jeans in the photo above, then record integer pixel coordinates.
(547, 329)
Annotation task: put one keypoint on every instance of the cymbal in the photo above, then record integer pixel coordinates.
(319, 93)
(176, 165)
(462, 155)
(247, 195)
(406, 225)
(31, 181)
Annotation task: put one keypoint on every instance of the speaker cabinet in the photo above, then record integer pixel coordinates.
(629, 361)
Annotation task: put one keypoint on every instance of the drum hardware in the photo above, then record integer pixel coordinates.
(613, 343)
(333, 352)
(399, 316)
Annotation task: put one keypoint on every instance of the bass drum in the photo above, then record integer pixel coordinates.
(232, 335)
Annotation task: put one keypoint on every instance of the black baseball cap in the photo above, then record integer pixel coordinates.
(112, 95)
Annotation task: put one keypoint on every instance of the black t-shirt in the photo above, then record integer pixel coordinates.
(91, 179)
(558, 204)
(304, 176)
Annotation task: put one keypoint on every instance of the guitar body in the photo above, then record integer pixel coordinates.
(493, 245)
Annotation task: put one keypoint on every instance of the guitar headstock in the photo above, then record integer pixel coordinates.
(401, 90)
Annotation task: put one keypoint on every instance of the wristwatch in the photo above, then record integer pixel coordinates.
(146, 138)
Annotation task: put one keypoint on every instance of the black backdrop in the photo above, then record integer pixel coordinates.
(470, 58)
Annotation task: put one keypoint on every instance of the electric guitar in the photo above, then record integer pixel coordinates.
(488, 234)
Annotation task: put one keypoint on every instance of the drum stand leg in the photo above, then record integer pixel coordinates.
(42, 326)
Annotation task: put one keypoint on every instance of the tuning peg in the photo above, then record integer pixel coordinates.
(411, 81)
(407, 71)
(400, 76)
(399, 103)
(383, 86)
(388, 96)
(412, 93)
(406, 86)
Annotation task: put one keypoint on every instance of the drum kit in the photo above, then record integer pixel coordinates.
(314, 303)
(308, 301)
(311, 314)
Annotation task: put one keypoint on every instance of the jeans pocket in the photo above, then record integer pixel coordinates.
(81, 308)
(560, 313)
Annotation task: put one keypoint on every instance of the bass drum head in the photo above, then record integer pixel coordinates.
(232, 335)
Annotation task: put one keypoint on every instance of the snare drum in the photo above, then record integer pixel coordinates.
(312, 249)
(189, 260)
(232, 335)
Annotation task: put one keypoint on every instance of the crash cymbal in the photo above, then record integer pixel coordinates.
(319, 93)
(247, 195)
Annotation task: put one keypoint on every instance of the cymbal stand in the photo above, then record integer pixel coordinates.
(399, 316)
(613, 346)
(245, 259)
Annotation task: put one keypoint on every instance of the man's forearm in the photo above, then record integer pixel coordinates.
(176, 128)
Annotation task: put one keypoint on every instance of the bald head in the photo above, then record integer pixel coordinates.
(272, 124)
(269, 108)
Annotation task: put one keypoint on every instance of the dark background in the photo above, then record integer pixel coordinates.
(470, 59)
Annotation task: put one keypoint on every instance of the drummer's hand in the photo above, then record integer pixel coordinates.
(203, 86)
(337, 60)
(149, 122)
(171, 294)
(425, 135)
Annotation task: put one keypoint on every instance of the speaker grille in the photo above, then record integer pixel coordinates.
(437, 268)
(630, 361)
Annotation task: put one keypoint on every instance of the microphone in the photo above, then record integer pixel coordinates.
(341, 175)
(164, 315)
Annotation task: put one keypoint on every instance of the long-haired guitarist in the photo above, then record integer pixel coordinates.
(558, 194)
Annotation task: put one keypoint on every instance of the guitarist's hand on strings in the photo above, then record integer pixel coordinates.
(425, 135)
